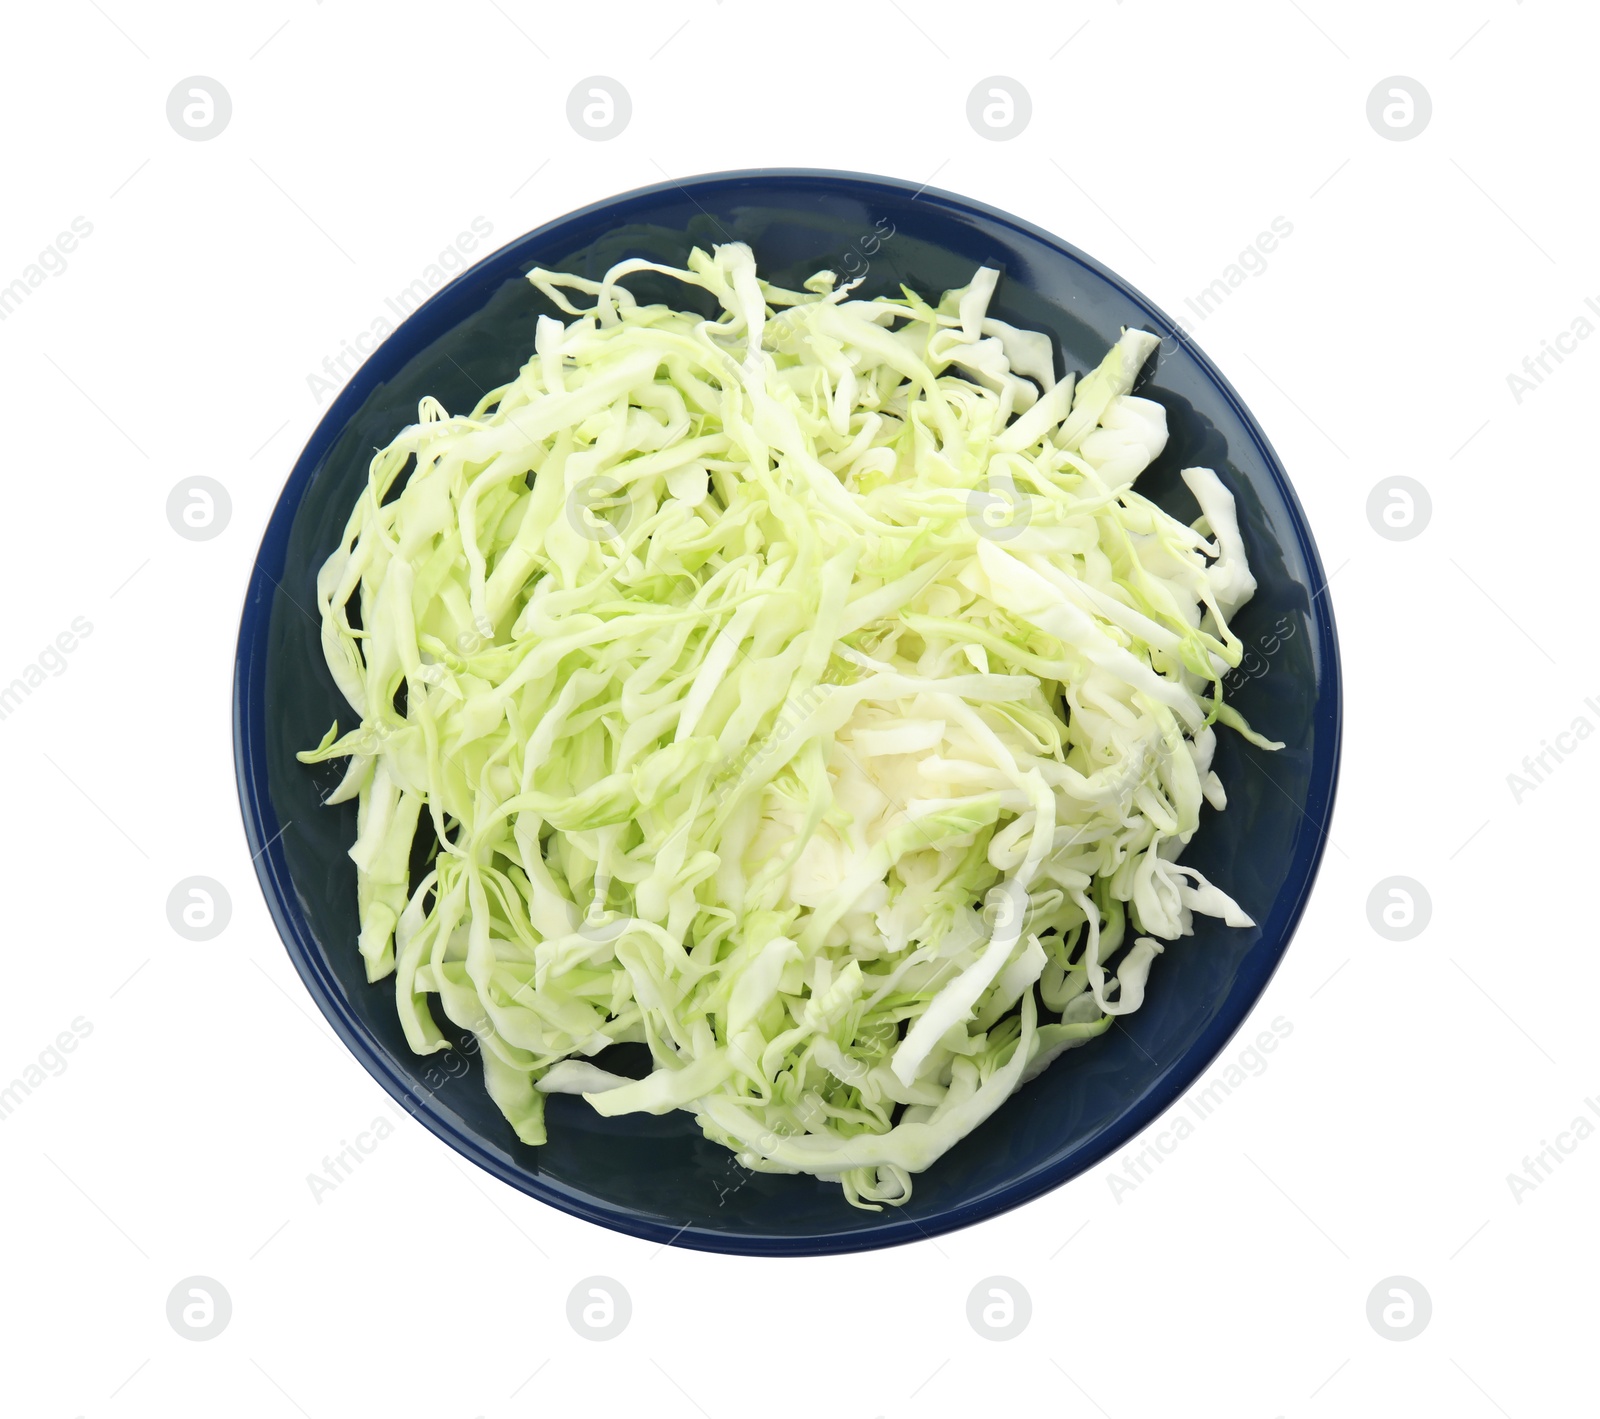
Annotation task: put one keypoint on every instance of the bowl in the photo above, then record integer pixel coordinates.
(658, 1177)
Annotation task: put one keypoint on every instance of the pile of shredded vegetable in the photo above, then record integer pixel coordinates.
(804, 693)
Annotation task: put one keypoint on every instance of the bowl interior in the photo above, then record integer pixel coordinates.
(658, 1177)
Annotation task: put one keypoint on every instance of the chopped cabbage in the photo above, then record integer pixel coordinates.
(806, 694)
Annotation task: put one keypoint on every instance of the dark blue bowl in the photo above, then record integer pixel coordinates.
(658, 1178)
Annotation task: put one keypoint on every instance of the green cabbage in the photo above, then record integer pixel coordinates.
(806, 694)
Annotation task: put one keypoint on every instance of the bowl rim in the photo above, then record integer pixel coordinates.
(263, 832)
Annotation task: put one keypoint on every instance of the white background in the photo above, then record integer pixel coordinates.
(177, 342)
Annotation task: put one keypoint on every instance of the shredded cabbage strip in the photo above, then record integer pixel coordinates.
(806, 694)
